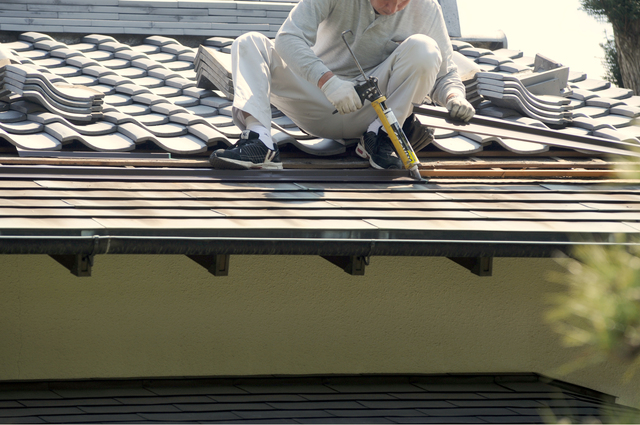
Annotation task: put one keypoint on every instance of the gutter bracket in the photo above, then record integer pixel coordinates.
(353, 265)
(78, 264)
(481, 266)
(216, 264)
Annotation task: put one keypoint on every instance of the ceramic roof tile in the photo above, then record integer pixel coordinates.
(179, 93)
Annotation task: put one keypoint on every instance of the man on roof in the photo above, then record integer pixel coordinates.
(308, 73)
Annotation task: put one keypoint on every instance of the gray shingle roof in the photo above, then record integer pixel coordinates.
(160, 101)
(502, 398)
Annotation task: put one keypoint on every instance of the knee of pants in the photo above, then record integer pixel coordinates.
(423, 52)
(249, 40)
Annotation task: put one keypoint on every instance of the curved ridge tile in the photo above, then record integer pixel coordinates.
(186, 144)
(180, 83)
(180, 65)
(457, 145)
(83, 47)
(97, 128)
(118, 99)
(12, 116)
(82, 117)
(58, 92)
(113, 142)
(131, 72)
(131, 89)
(33, 36)
(202, 111)
(35, 54)
(48, 44)
(162, 57)
(22, 127)
(83, 80)
(166, 91)
(65, 53)
(97, 71)
(160, 40)
(51, 62)
(186, 118)
(617, 121)
(616, 135)
(73, 107)
(148, 98)
(518, 146)
(39, 142)
(149, 82)
(514, 102)
(153, 119)
(162, 73)
(98, 38)
(208, 134)
(134, 109)
(166, 130)
(66, 71)
(146, 48)
(19, 45)
(160, 130)
(185, 101)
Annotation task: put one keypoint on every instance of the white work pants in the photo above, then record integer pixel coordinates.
(261, 78)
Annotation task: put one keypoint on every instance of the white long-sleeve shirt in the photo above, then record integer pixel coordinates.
(310, 39)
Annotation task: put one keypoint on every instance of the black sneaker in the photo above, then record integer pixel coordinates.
(379, 150)
(248, 153)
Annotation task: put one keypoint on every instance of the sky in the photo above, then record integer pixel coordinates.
(554, 28)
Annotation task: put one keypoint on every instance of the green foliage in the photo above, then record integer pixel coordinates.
(619, 12)
(611, 63)
(600, 309)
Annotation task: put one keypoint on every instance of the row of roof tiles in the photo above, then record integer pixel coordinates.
(153, 87)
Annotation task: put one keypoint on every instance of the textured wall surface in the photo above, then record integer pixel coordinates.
(149, 316)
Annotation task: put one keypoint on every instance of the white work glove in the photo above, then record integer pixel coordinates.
(460, 109)
(342, 95)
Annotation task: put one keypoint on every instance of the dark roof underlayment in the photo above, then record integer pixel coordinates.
(466, 398)
(105, 138)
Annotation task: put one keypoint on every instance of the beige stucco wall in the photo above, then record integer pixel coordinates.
(146, 316)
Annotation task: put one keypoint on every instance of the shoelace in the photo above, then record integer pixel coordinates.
(385, 145)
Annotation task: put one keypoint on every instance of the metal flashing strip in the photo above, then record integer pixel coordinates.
(59, 172)
(438, 118)
(196, 245)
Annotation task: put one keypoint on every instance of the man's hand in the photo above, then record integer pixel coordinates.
(342, 95)
(459, 108)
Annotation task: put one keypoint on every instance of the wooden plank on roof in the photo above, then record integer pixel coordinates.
(14, 184)
(234, 224)
(633, 225)
(302, 194)
(542, 196)
(42, 212)
(346, 213)
(164, 186)
(33, 203)
(559, 215)
(364, 187)
(497, 226)
(52, 223)
(107, 212)
(138, 203)
(448, 205)
(631, 206)
(115, 194)
(507, 173)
